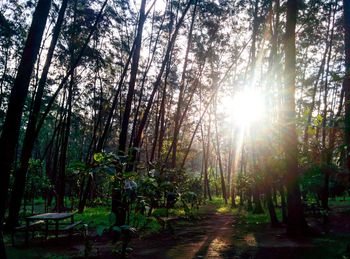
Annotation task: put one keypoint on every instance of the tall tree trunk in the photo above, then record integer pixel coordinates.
(233, 171)
(316, 83)
(132, 81)
(346, 83)
(296, 220)
(11, 126)
(156, 129)
(69, 73)
(223, 186)
(283, 204)
(103, 138)
(157, 83)
(182, 91)
(138, 136)
(2, 80)
(206, 162)
(143, 82)
(268, 192)
(326, 157)
(64, 150)
(162, 122)
(270, 207)
(29, 139)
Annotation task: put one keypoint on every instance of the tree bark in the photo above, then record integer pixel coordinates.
(12, 124)
(132, 82)
(296, 221)
(326, 157)
(182, 91)
(271, 208)
(137, 139)
(206, 178)
(64, 150)
(29, 139)
(223, 186)
(346, 82)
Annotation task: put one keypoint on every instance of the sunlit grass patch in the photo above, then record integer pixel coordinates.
(251, 218)
(219, 201)
(257, 218)
(94, 216)
(223, 209)
(162, 212)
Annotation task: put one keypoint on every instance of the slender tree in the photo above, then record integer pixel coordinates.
(10, 133)
(346, 82)
(157, 83)
(296, 221)
(132, 81)
(29, 139)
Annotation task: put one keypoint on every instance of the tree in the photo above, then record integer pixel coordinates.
(156, 84)
(30, 136)
(132, 81)
(346, 82)
(218, 151)
(296, 221)
(10, 133)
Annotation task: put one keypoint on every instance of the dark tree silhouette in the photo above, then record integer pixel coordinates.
(11, 127)
(296, 221)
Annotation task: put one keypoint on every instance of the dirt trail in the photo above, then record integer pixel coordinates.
(215, 237)
(208, 237)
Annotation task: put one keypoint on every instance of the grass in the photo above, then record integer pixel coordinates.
(100, 216)
(162, 212)
(243, 215)
(94, 216)
(340, 201)
(149, 225)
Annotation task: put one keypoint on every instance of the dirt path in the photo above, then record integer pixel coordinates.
(208, 237)
(216, 237)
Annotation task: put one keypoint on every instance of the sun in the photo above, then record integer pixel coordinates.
(244, 108)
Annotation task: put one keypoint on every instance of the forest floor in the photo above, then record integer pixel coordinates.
(215, 233)
(227, 235)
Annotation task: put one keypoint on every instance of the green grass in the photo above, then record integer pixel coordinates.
(94, 216)
(243, 215)
(100, 216)
(252, 218)
(162, 212)
(218, 201)
(340, 201)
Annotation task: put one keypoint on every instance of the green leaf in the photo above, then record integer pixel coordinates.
(98, 157)
(125, 226)
(117, 229)
(112, 218)
(129, 174)
(100, 229)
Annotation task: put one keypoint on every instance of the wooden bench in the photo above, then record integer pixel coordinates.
(72, 226)
(32, 226)
(69, 228)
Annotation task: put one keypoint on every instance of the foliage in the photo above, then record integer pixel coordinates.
(37, 184)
